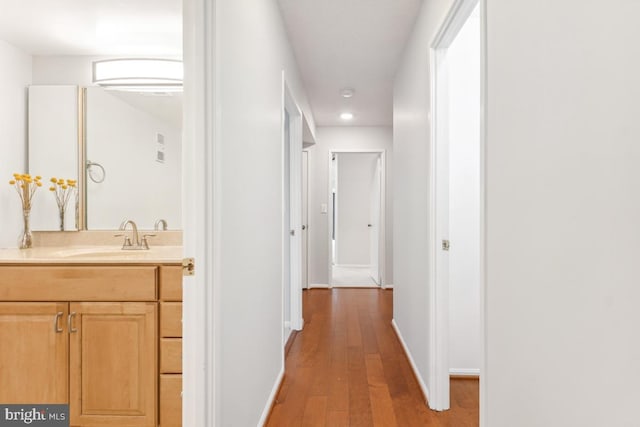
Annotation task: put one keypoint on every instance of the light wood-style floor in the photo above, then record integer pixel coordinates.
(347, 368)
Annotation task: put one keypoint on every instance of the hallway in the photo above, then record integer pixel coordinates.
(347, 368)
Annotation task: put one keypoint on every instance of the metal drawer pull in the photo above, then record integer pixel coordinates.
(70, 321)
(56, 321)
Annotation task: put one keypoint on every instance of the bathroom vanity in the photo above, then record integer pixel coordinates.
(97, 328)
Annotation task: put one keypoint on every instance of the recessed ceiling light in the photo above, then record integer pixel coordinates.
(346, 116)
(347, 92)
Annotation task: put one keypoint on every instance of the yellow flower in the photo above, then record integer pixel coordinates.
(64, 187)
(60, 181)
(39, 184)
(12, 182)
(38, 177)
(52, 188)
(54, 180)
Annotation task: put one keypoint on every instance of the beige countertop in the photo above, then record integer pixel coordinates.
(91, 254)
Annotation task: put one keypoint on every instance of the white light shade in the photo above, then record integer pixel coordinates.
(142, 75)
(346, 116)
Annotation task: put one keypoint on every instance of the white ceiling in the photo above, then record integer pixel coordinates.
(93, 27)
(349, 43)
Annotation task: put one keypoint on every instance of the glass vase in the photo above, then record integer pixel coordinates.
(26, 241)
(61, 209)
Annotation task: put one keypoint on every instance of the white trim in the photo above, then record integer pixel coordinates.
(318, 286)
(382, 244)
(356, 286)
(352, 265)
(295, 208)
(272, 398)
(484, 391)
(416, 372)
(457, 16)
(387, 287)
(461, 372)
(201, 213)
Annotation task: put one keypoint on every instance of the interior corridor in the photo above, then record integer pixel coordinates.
(347, 368)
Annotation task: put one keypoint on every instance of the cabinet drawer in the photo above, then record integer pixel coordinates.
(171, 356)
(171, 319)
(76, 283)
(171, 283)
(170, 400)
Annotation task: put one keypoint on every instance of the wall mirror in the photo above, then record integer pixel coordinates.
(124, 147)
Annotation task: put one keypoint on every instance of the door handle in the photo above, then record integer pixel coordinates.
(56, 322)
(369, 225)
(70, 323)
(292, 232)
(304, 227)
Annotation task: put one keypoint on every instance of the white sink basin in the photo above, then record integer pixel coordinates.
(93, 251)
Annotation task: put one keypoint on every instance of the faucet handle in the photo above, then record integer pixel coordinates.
(127, 240)
(144, 242)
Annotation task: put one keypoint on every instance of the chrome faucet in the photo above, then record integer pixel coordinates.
(134, 242)
(161, 222)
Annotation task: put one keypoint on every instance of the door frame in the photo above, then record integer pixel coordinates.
(457, 16)
(201, 216)
(306, 223)
(295, 208)
(383, 202)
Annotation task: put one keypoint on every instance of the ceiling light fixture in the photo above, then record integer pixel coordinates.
(346, 116)
(139, 74)
(347, 92)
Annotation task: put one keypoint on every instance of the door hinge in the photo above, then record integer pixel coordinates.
(188, 267)
(445, 245)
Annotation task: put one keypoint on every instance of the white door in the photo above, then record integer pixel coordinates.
(374, 223)
(305, 220)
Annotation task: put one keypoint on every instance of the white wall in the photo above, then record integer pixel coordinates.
(15, 76)
(411, 139)
(463, 59)
(355, 173)
(344, 137)
(563, 209)
(252, 51)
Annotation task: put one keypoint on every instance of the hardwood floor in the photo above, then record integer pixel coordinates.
(347, 368)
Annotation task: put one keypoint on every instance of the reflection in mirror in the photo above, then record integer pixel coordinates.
(53, 151)
(136, 139)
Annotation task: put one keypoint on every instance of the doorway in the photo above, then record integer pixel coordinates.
(457, 187)
(356, 234)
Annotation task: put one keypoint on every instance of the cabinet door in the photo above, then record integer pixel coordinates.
(34, 346)
(113, 364)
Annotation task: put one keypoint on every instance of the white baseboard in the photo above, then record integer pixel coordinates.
(387, 287)
(421, 382)
(356, 286)
(352, 265)
(272, 398)
(318, 286)
(461, 372)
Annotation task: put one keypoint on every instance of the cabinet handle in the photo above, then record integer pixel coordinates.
(56, 322)
(70, 321)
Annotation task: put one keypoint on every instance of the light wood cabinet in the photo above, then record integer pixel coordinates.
(171, 347)
(105, 351)
(113, 364)
(33, 353)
